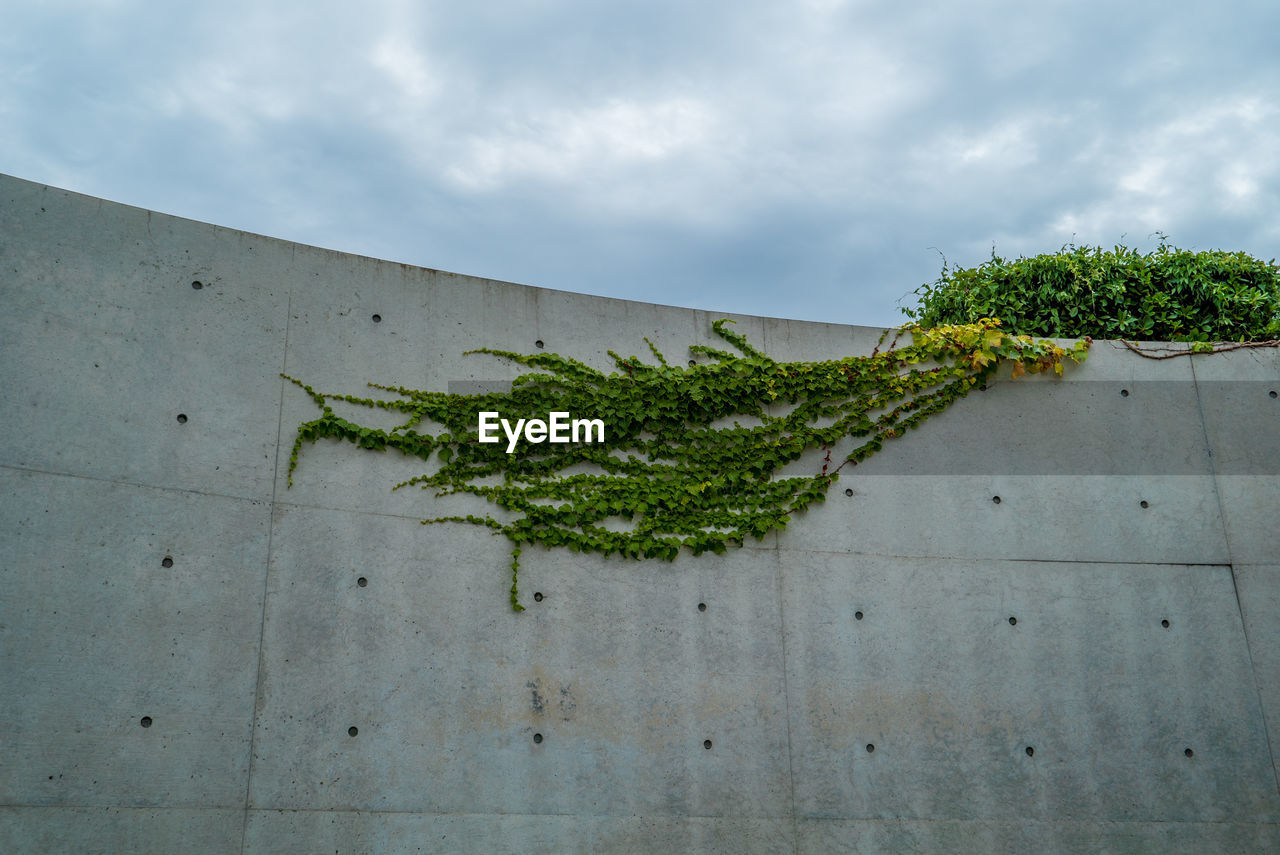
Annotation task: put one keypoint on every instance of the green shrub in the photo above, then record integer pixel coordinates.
(1167, 295)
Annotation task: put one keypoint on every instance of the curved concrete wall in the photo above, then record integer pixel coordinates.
(1065, 670)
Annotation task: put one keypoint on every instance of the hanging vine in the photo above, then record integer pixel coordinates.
(677, 468)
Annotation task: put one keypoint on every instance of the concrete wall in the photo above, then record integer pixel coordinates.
(156, 566)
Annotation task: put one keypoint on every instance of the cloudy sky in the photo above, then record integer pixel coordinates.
(812, 159)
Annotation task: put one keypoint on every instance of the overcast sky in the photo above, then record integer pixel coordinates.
(805, 159)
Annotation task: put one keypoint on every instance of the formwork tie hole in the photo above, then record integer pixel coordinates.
(182, 418)
(1031, 752)
(995, 499)
(197, 284)
(1144, 504)
(848, 491)
(857, 615)
(145, 721)
(377, 319)
(362, 581)
(1013, 621)
(538, 344)
(537, 596)
(706, 743)
(1124, 393)
(1272, 393)
(353, 730)
(1165, 623)
(166, 562)
(1189, 752)
(537, 739)
(870, 747)
(702, 607)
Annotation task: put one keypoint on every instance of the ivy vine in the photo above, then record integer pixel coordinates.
(690, 454)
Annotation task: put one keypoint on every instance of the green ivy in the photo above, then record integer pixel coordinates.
(678, 469)
(1167, 295)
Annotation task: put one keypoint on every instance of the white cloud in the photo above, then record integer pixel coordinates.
(566, 146)
(1213, 156)
(1007, 145)
(406, 67)
(1147, 177)
(1239, 180)
(229, 95)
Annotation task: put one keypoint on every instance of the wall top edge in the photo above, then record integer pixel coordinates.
(855, 329)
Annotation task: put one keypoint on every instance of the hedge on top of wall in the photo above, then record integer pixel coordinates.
(1169, 294)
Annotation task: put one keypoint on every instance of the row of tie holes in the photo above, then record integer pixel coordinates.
(706, 743)
(377, 319)
(182, 420)
(354, 731)
(1144, 504)
(538, 596)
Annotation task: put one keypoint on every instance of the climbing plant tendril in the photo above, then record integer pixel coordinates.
(690, 454)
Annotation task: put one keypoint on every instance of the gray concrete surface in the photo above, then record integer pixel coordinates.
(160, 569)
